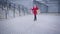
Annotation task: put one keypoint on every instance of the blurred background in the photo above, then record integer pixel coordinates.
(13, 8)
(16, 17)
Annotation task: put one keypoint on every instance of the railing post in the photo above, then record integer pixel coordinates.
(6, 10)
(23, 10)
(14, 10)
(19, 9)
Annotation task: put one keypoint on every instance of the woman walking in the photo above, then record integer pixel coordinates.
(34, 10)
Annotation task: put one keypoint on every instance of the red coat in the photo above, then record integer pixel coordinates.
(34, 10)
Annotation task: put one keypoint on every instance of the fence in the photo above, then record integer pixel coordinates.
(11, 10)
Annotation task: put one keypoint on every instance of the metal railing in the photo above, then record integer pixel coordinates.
(13, 9)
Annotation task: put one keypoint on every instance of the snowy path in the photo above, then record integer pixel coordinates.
(45, 24)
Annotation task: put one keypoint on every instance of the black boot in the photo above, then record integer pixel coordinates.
(35, 18)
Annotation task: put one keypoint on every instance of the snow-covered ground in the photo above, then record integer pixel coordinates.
(45, 24)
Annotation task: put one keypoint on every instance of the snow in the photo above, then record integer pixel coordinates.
(45, 24)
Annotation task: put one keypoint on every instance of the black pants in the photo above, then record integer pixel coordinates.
(35, 18)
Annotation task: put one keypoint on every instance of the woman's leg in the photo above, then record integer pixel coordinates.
(35, 17)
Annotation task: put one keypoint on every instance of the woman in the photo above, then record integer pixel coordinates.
(34, 10)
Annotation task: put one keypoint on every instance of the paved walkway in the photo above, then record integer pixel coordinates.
(45, 24)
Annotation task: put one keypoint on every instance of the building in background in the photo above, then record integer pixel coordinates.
(48, 6)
